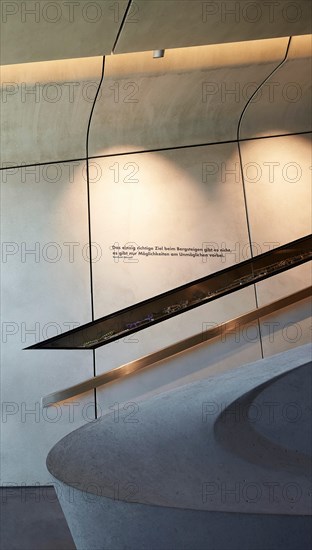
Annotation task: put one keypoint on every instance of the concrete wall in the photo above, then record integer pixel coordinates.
(145, 190)
(44, 292)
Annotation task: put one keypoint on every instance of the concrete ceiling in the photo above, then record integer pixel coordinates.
(155, 24)
(42, 31)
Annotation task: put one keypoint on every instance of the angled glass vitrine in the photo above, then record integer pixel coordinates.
(184, 298)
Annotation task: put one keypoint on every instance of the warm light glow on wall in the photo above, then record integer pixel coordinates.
(161, 198)
(195, 58)
(277, 173)
(198, 57)
(301, 46)
(63, 70)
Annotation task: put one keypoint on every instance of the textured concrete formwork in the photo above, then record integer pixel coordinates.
(171, 478)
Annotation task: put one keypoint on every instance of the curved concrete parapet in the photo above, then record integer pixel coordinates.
(163, 478)
(272, 424)
(292, 429)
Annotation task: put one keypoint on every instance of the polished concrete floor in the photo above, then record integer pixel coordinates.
(32, 519)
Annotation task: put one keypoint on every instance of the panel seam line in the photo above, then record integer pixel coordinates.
(281, 63)
(89, 221)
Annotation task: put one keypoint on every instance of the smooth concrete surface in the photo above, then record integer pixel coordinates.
(202, 362)
(32, 519)
(129, 526)
(196, 94)
(45, 110)
(44, 291)
(282, 105)
(203, 202)
(274, 429)
(158, 482)
(33, 190)
(183, 98)
(277, 176)
(287, 328)
(41, 31)
(151, 24)
(191, 96)
(171, 447)
(295, 389)
(181, 199)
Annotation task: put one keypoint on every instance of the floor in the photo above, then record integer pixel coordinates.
(32, 519)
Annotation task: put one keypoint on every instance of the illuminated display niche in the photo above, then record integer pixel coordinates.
(176, 301)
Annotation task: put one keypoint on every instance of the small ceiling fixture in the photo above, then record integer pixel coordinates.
(158, 53)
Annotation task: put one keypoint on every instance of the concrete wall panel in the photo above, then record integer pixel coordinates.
(191, 96)
(177, 201)
(45, 110)
(45, 291)
(278, 189)
(283, 104)
(172, 203)
(188, 198)
(277, 179)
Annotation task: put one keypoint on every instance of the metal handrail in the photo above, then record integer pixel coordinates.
(173, 349)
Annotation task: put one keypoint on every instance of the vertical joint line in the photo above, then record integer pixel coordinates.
(242, 171)
(122, 25)
(89, 218)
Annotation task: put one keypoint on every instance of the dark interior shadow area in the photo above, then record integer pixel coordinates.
(31, 518)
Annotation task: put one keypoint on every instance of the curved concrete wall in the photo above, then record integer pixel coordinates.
(191, 96)
(270, 425)
(45, 110)
(294, 432)
(283, 104)
(186, 196)
(155, 528)
(277, 183)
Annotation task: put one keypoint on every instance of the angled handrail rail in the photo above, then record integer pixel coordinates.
(173, 349)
